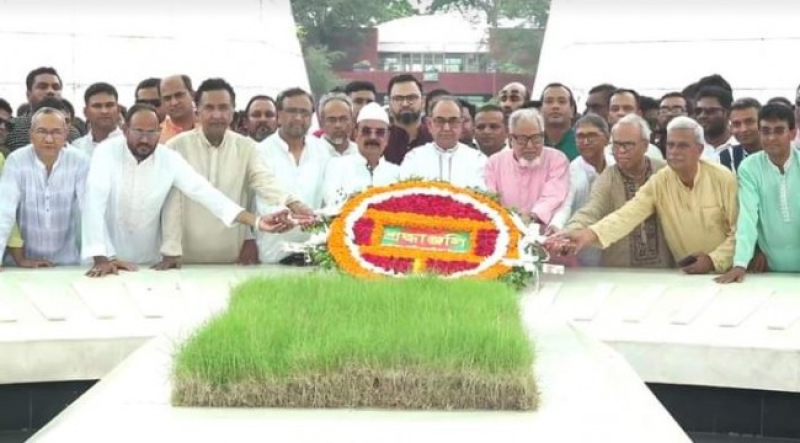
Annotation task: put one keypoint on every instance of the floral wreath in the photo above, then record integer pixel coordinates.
(427, 227)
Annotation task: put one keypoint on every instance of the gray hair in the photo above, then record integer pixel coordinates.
(594, 120)
(683, 122)
(48, 111)
(334, 96)
(635, 119)
(527, 114)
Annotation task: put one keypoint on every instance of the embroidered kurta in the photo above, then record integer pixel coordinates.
(124, 198)
(769, 212)
(645, 246)
(460, 165)
(697, 219)
(538, 190)
(236, 169)
(46, 206)
(347, 175)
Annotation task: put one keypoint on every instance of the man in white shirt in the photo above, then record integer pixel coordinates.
(445, 159)
(129, 180)
(336, 116)
(298, 161)
(102, 114)
(348, 175)
(42, 188)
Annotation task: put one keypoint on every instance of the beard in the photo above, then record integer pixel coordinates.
(407, 117)
(528, 164)
(261, 133)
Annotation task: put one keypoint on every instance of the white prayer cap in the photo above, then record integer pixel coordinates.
(372, 111)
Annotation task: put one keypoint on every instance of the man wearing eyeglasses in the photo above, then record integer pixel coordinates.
(347, 175)
(336, 115)
(769, 215)
(672, 104)
(42, 188)
(713, 111)
(148, 91)
(445, 158)
(405, 104)
(102, 114)
(530, 177)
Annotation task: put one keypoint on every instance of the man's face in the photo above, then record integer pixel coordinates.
(744, 126)
(527, 140)
(176, 98)
(295, 117)
(262, 120)
(490, 130)
(405, 103)
(142, 134)
(467, 127)
(511, 98)
(372, 136)
(556, 107)
(597, 104)
(670, 108)
(711, 115)
(627, 146)
(5, 118)
(44, 85)
(445, 124)
(591, 142)
(152, 98)
(776, 137)
(216, 113)
(49, 134)
(683, 152)
(102, 111)
(337, 122)
(621, 105)
(361, 99)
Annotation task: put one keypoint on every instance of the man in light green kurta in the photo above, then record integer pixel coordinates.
(769, 182)
(694, 200)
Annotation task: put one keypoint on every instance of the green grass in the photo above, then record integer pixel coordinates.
(335, 341)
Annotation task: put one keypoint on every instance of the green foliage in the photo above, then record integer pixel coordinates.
(318, 65)
(535, 11)
(318, 20)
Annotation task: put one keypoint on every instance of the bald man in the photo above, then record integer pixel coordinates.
(177, 98)
(512, 96)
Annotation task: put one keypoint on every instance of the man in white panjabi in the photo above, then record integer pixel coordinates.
(336, 117)
(102, 114)
(445, 159)
(298, 161)
(347, 175)
(128, 183)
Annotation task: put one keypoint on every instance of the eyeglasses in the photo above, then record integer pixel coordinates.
(298, 112)
(591, 137)
(623, 146)
(671, 110)
(777, 132)
(156, 103)
(55, 133)
(708, 111)
(523, 140)
(153, 133)
(439, 122)
(411, 98)
(366, 131)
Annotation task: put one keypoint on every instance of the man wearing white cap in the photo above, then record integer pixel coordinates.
(347, 175)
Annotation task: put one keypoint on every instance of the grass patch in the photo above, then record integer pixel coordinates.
(336, 341)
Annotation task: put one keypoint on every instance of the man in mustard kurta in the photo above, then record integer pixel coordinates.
(694, 200)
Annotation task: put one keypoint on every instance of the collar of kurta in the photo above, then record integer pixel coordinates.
(442, 151)
(207, 143)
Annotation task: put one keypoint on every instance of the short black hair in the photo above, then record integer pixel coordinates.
(360, 85)
(55, 103)
(532, 104)
(468, 106)
(724, 97)
(39, 71)
(572, 101)
(152, 82)
(780, 101)
(137, 108)
(714, 80)
(404, 78)
(777, 112)
(99, 88)
(6, 106)
(431, 97)
(636, 96)
(746, 103)
(608, 88)
(257, 98)
(445, 98)
(673, 94)
(214, 84)
(292, 92)
(647, 103)
(491, 107)
(68, 108)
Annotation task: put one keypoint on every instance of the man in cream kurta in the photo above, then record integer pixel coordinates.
(445, 159)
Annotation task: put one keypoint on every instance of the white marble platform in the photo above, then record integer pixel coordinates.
(589, 393)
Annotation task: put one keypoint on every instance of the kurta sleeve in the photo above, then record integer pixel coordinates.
(480, 171)
(333, 182)
(598, 206)
(95, 204)
(264, 183)
(172, 224)
(197, 188)
(555, 189)
(10, 190)
(621, 222)
(723, 255)
(491, 174)
(747, 222)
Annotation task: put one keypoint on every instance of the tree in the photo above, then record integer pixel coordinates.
(318, 20)
(321, 77)
(535, 11)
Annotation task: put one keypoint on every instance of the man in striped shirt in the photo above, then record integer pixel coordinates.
(744, 126)
(42, 187)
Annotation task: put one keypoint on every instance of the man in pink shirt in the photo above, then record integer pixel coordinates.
(530, 178)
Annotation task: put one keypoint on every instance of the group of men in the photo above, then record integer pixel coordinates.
(170, 181)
